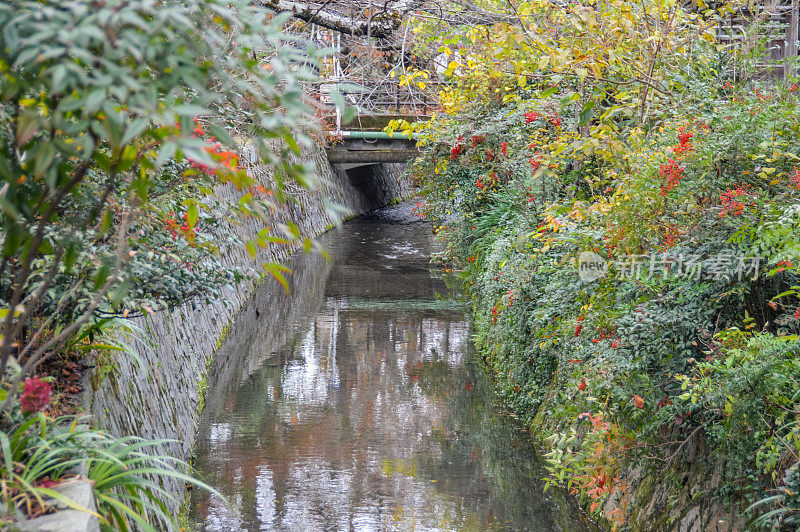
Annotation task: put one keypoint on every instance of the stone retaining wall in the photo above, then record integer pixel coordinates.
(163, 398)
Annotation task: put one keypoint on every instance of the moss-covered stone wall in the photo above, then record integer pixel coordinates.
(163, 398)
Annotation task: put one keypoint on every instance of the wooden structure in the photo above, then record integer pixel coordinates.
(773, 21)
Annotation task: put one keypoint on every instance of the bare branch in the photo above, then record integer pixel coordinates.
(379, 25)
(12, 323)
(41, 354)
(475, 15)
(388, 18)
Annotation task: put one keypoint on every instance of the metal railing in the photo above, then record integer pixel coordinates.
(379, 98)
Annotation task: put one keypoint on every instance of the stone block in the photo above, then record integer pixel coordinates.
(67, 519)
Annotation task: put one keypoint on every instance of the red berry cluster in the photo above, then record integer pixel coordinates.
(731, 200)
(531, 197)
(535, 162)
(671, 173)
(477, 139)
(795, 177)
(552, 117)
(605, 336)
(684, 142)
(531, 116)
(174, 227)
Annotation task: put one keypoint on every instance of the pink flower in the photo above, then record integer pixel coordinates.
(35, 395)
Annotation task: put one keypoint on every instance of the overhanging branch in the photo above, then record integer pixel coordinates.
(386, 15)
(380, 24)
(475, 15)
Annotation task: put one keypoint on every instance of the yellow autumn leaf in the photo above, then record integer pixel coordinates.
(544, 61)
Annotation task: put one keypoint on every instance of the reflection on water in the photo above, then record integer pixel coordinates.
(352, 405)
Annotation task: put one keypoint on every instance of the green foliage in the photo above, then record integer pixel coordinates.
(747, 397)
(613, 368)
(33, 450)
(117, 121)
(787, 513)
(127, 482)
(39, 453)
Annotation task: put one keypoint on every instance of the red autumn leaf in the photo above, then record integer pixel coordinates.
(638, 402)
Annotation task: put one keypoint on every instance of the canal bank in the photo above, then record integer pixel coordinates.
(355, 404)
(160, 393)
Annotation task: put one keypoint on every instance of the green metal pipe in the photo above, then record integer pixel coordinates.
(374, 135)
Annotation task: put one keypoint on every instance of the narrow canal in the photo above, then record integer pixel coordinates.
(353, 404)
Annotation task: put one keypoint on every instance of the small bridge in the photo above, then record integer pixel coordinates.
(371, 147)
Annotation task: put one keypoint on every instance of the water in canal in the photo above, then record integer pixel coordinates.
(352, 404)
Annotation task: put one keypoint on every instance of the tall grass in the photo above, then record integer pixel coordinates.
(127, 480)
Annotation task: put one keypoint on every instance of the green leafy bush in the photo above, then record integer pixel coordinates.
(615, 367)
(116, 120)
(38, 454)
